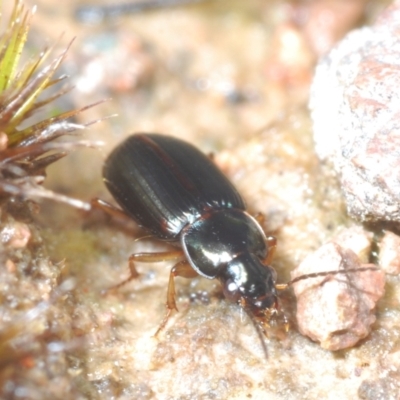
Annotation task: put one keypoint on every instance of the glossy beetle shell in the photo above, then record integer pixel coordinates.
(164, 183)
(176, 193)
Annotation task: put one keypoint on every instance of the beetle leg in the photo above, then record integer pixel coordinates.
(259, 217)
(270, 240)
(108, 208)
(271, 244)
(146, 257)
(183, 269)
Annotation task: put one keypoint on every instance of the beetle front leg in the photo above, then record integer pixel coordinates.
(183, 269)
(271, 244)
(270, 240)
(259, 217)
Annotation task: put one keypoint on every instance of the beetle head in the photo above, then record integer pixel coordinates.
(248, 281)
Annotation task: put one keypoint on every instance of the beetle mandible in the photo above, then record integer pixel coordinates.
(177, 194)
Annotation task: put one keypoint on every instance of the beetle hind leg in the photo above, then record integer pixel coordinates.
(183, 269)
(108, 208)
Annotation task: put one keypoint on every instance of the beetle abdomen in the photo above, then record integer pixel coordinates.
(164, 183)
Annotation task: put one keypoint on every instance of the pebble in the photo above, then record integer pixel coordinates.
(389, 254)
(355, 111)
(336, 310)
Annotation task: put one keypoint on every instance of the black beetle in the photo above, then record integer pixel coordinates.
(177, 194)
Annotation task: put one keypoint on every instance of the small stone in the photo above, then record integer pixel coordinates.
(336, 310)
(389, 254)
(357, 239)
(324, 22)
(354, 103)
(15, 235)
(291, 59)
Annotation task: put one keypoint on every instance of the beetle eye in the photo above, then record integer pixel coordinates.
(231, 291)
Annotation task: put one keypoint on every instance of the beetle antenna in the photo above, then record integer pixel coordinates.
(282, 286)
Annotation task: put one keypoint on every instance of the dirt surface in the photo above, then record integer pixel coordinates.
(232, 77)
